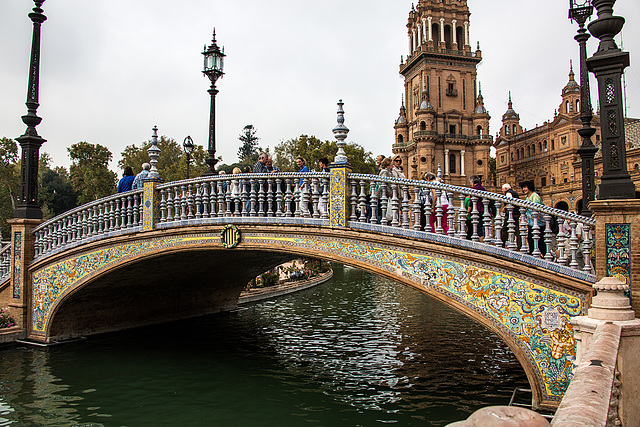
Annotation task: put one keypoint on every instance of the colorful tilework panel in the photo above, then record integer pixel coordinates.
(619, 252)
(338, 197)
(17, 264)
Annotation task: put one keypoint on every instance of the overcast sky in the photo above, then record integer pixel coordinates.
(112, 69)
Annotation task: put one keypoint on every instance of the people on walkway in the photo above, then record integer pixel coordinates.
(379, 159)
(386, 171)
(444, 201)
(397, 168)
(138, 182)
(261, 166)
(529, 190)
(270, 167)
(476, 182)
(126, 181)
(236, 191)
(512, 194)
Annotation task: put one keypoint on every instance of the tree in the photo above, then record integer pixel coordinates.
(172, 163)
(248, 151)
(311, 149)
(89, 171)
(492, 170)
(9, 182)
(56, 194)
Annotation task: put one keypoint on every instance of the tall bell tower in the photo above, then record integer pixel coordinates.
(439, 125)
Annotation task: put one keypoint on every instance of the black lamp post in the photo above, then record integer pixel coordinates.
(608, 64)
(213, 63)
(187, 145)
(30, 142)
(580, 11)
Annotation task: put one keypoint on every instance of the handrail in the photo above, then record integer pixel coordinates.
(5, 262)
(293, 197)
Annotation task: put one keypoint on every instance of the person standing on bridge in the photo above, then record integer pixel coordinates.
(127, 180)
(261, 164)
(529, 190)
(138, 182)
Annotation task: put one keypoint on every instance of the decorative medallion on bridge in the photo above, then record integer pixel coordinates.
(230, 236)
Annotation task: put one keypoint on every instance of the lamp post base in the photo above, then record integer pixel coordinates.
(616, 188)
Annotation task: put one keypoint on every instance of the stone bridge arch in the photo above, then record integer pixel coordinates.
(526, 306)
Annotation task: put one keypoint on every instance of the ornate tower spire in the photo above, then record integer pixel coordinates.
(340, 133)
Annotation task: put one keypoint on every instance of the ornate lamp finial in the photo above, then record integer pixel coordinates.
(154, 153)
(340, 133)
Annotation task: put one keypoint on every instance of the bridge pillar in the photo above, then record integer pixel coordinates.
(22, 254)
(151, 204)
(617, 243)
(339, 194)
(606, 385)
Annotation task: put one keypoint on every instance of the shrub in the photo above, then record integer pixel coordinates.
(6, 321)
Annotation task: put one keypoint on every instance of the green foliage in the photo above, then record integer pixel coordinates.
(9, 182)
(89, 171)
(249, 150)
(311, 149)
(56, 194)
(6, 321)
(270, 278)
(172, 163)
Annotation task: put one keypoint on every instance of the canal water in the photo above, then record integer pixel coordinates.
(359, 350)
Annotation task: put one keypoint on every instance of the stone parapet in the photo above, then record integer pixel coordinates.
(617, 243)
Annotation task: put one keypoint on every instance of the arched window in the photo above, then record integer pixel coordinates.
(447, 37)
(479, 130)
(452, 163)
(460, 37)
(577, 105)
(423, 125)
(567, 107)
(506, 129)
(435, 31)
(540, 146)
(400, 138)
(514, 129)
(545, 145)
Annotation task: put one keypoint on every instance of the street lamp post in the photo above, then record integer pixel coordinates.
(187, 145)
(30, 142)
(580, 11)
(213, 66)
(607, 64)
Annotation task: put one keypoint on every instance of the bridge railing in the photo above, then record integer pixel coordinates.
(487, 219)
(5, 262)
(116, 214)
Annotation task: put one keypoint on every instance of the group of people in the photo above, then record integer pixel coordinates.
(129, 181)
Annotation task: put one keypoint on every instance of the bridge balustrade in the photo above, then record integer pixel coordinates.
(384, 203)
(117, 214)
(5, 262)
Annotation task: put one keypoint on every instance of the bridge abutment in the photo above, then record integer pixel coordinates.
(17, 296)
(617, 243)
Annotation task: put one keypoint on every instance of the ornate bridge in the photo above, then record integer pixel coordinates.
(188, 248)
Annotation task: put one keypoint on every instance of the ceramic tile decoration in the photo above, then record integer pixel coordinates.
(535, 316)
(338, 197)
(619, 252)
(17, 264)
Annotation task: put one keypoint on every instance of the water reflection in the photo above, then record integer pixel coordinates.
(356, 351)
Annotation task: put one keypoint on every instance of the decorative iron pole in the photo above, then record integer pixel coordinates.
(30, 142)
(607, 64)
(580, 11)
(213, 66)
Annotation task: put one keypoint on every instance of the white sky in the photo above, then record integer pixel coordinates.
(112, 69)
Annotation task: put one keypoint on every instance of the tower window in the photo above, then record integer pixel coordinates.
(423, 126)
(506, 129)
(479, 130)
(514, 129)
(400, 138)
(577, 105)
(452, 163)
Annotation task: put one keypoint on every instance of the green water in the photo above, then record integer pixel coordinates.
(359, 350)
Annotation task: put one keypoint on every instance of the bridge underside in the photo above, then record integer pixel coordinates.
(161, 288)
